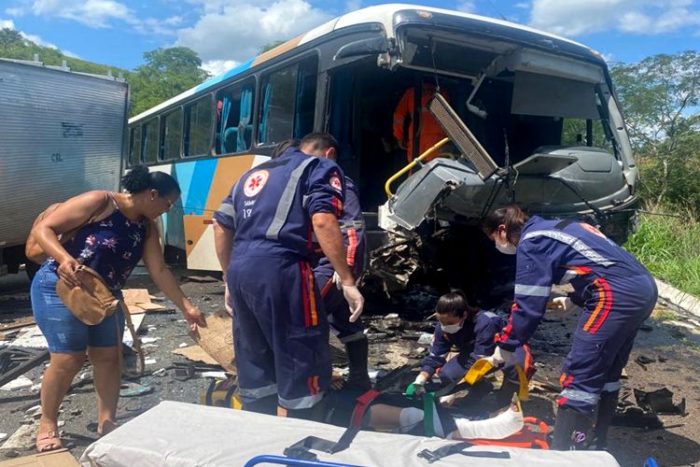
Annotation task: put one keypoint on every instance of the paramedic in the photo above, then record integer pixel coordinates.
(353, 227)
(471, 332)
(263, 238)
(616, 293)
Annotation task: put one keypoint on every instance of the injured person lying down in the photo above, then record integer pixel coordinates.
(400, 414)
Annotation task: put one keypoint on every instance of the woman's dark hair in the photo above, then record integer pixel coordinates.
(512, 216)
(139, 179)
(454, 304)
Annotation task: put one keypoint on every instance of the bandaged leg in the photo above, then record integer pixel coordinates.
(498, 427)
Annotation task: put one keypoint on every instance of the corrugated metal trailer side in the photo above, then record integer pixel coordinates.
(61, 133)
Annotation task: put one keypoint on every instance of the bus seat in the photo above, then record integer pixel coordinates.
(230, 140)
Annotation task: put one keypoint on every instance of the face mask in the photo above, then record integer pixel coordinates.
(452, 328)
(506, 249)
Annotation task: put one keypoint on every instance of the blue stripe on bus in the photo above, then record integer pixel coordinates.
(199, 186)
(224, 76)
(184, 172)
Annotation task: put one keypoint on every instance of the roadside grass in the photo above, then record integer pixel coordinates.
(670, 248)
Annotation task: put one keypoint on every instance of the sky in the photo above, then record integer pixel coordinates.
(227, 32)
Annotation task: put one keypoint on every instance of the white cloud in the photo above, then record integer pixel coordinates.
(353, 5)
(216, 67)
(576, 17)
(9, 24)
(93, 13)
(522, 5)
(467, 6)
(228, 31)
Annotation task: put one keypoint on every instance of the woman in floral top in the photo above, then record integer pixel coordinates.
(115, 231)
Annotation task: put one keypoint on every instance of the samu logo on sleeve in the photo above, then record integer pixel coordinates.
(255, 182)
(335, 182)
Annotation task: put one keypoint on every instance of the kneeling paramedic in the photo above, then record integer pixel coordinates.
(263, 237)
(350, 333)
(471, 332)
(616, 293)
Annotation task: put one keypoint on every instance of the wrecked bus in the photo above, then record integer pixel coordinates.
(529, 117)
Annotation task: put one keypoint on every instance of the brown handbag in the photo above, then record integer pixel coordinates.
(90, 303)
(32, 249)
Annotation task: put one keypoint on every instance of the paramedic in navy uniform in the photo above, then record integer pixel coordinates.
(264, 237)
(352, 225)
(616, 295)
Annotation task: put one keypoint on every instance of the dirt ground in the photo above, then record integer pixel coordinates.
(669, 344)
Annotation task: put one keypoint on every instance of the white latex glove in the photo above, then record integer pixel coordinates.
(421, 379)
(355, 300)
(501, 357)
(336, 280)
(227, 301)
(560, 306)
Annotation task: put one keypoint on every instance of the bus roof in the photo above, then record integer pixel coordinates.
(379, 14)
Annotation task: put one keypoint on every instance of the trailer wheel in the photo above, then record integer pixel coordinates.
(31, 269)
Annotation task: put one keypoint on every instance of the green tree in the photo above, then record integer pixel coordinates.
(660, 97)
(166, 73)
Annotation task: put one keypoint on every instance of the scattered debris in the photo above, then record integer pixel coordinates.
(57, 458)
(138, 301)
(23, 438)
(161, 372)
(134, 390)
(31, 338)
(425, 339)
(200, 279)
(150, 361)
(643, 361)
(19, 383)
(3, 436)
(659, 402)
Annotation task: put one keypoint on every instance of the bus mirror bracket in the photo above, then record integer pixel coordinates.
(371, 46)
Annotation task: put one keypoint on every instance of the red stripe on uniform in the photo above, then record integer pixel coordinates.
(311, 290)
(606, 309)
(337, 206)
(305, 295)
(352, 247)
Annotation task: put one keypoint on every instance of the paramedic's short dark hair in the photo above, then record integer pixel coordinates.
(282, 147)
(453, 304)
(512, 216)
(139, 179)
(319, 141)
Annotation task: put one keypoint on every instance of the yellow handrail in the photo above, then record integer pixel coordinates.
(413, 163)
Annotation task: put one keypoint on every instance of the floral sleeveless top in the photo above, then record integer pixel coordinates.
(112, 247)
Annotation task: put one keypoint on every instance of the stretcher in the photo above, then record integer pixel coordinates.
(179, 434)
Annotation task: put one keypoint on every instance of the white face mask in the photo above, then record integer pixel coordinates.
(506, 249)
(451, 328)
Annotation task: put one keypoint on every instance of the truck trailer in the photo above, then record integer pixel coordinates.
(61, 133)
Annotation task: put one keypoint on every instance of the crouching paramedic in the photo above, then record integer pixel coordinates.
(352, 225)
(471, 332)
(616, 293)
(263, 238)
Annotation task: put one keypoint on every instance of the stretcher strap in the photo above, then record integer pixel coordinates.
(363, 402)
(428, 403)
(450, 449)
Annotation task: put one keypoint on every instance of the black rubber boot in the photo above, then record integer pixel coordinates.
(357, 358)
(572, 430)
(606, 412)
(266, 405)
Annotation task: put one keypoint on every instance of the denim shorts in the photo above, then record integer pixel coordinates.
(64, 332)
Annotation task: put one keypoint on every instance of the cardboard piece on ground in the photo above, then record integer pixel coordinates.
(58, 458)
(139, 301)
(196, 354)
(217, 339)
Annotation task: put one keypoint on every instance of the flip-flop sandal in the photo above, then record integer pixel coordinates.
(48, 441)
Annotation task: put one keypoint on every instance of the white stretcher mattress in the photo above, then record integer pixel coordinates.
(177, 434)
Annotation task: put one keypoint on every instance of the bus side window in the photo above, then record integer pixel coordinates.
(171, 134)
(306, 98)
(150, 141)
(234, 109)
(135, 145)
(277, 105)
(198, 126)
